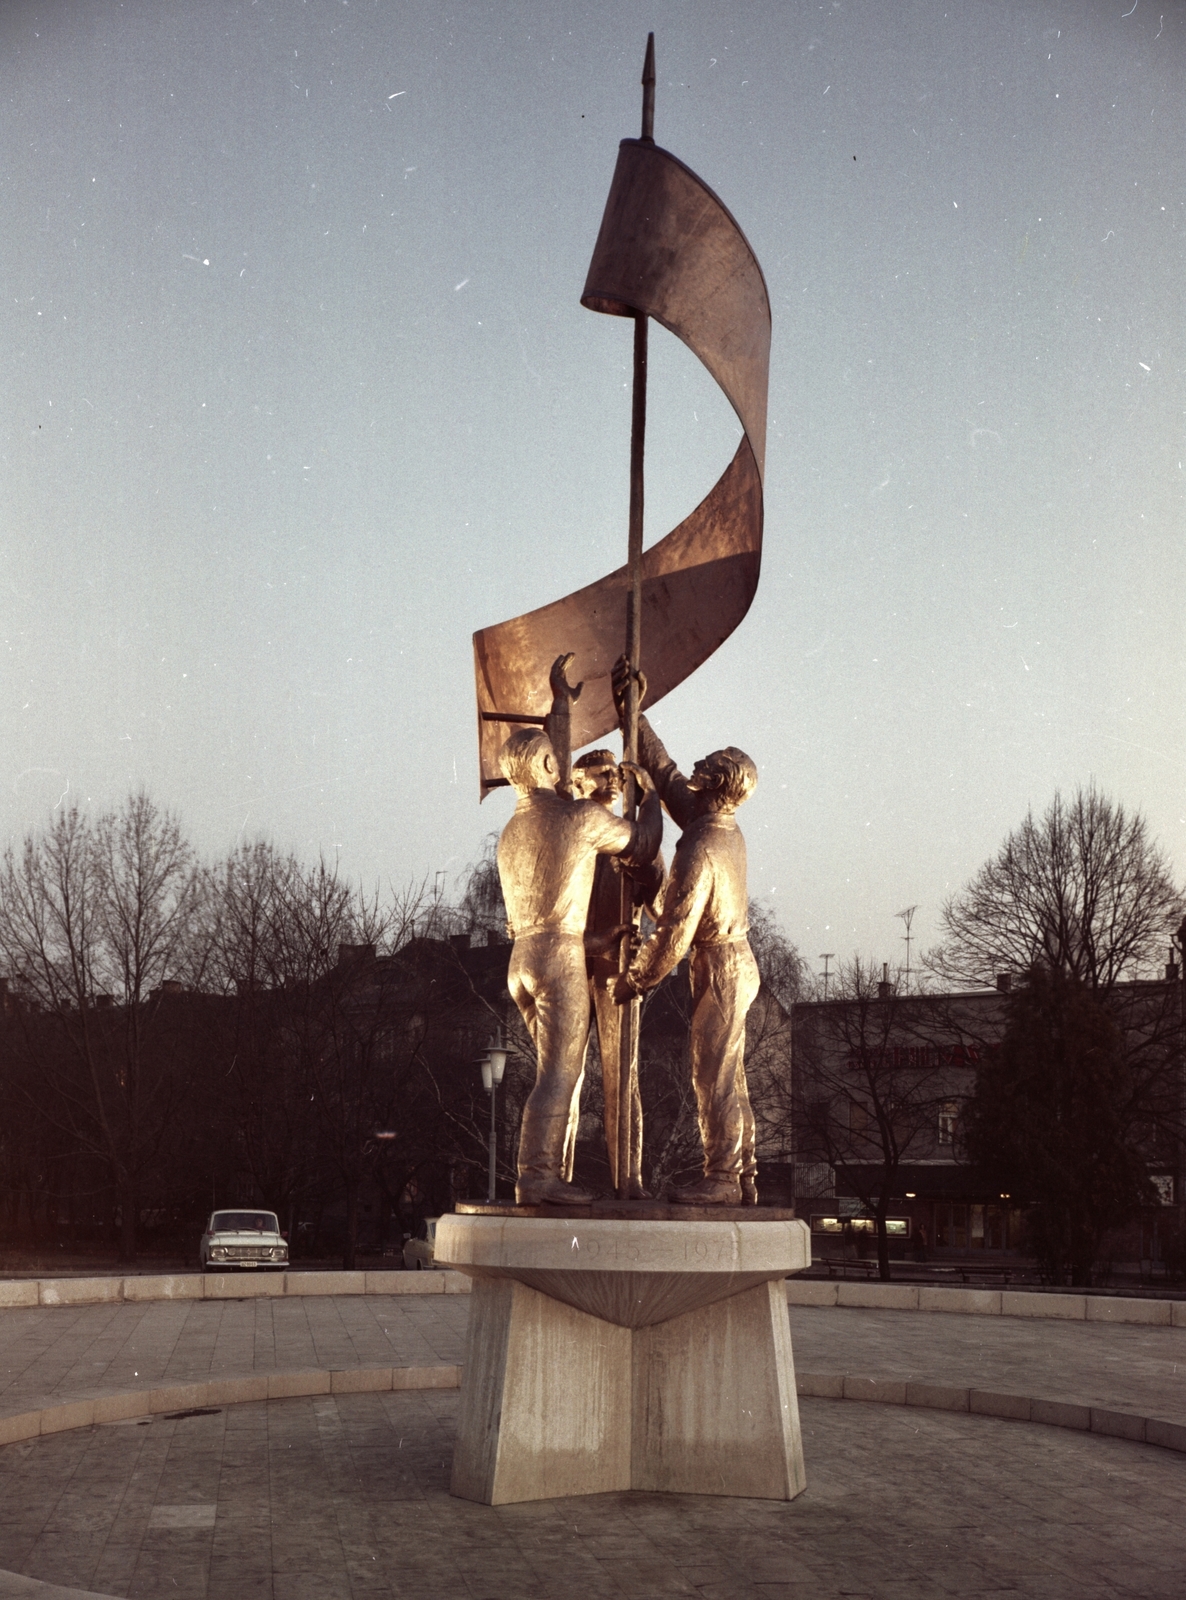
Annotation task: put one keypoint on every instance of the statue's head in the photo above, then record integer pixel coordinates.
(597, 776)
(527, 761)
(728, 776)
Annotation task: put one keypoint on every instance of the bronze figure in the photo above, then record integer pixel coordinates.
(704, 915)
(547, 856)
(599, 777)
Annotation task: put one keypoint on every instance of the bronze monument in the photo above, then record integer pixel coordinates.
(628, 1344)
(669, 250)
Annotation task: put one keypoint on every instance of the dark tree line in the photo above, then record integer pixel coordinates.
(175, 1037)
(1071, 1112)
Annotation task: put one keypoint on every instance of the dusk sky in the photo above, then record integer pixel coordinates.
(298, 392)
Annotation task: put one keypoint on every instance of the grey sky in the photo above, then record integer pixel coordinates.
(297, 393)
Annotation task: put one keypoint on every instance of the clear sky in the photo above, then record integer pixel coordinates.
(298, 392)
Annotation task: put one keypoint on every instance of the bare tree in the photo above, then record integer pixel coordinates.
(268, 1102)
(99, 920)
(481, 910)
(768, 1038)
(1061, 1115)
(330, 1021)
(1084, 890)
(1086, 896)
(784, 974)
(869, 1083)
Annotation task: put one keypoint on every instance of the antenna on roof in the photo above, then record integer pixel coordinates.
(907, 917)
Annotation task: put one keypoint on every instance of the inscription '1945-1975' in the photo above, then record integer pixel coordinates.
(657, 1252)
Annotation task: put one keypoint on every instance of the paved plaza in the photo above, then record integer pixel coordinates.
(62, 1353)
(343, 1495)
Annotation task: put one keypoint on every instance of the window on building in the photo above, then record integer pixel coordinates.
(948, 1113)
(951, 1226)
(977, 1227)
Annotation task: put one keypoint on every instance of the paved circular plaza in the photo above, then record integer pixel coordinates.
(343, 1496)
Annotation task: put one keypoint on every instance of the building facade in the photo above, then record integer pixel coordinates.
(880, 1087)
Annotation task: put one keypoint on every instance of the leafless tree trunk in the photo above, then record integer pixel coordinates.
(98, 918)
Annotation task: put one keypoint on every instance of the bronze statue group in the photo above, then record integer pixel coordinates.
(560, 860)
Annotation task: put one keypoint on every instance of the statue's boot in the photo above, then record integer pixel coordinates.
(710, 1191)
(749, 1188)
(535, 1190)
(636, 1189)
(542, 1137)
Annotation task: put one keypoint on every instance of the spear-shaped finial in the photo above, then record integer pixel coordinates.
(648, 90)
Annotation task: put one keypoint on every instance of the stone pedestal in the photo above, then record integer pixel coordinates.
(608, 1354)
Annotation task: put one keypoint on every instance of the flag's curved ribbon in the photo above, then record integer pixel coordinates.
(668, 249)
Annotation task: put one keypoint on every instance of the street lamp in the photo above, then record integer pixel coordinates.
(493, 1065)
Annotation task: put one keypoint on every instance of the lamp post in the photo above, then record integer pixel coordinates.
(378, 1141)
(493, 1065)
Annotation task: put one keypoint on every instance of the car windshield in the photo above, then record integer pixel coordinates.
(244, 1222)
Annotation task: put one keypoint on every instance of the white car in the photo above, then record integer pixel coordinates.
(420, 1252)
(247, 1240)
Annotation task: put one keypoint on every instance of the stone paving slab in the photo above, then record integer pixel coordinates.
(345, 1496)
(53, 1355)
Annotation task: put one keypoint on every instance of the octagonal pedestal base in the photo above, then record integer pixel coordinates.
(558, 1401)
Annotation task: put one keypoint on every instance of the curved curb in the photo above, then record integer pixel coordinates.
(18, 1293)
(15, 1586)
(147, 1403)
(21, 1293)
(992, 1403)
(987, 1302)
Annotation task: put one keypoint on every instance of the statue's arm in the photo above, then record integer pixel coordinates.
(684, 902)
(652, 757)
(647, 835)
(670, 782)
(647, 884)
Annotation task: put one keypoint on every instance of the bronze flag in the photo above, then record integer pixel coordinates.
(667, 249)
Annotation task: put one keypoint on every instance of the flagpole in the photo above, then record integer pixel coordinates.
(638, 425)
